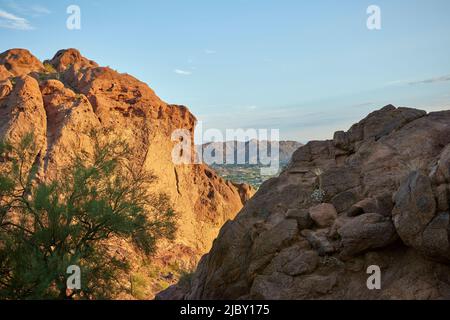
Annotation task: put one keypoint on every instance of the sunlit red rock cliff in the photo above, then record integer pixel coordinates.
(62, 99)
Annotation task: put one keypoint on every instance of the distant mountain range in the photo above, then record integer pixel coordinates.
(241, 150)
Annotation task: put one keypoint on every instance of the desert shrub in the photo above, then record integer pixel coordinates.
(49, 68)
(47, 226)
(139, 284)
(318, 194)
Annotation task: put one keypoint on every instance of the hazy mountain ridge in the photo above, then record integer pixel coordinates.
(250, 151)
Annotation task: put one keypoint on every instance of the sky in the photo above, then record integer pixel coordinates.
(307, 68)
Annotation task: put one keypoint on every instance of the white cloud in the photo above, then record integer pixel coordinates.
(35, 10)
(431, 80)
(11, 21)
(39, 10)
(182, 72)
(396, 82)
(363, 104)
(437, 79)
(209, 51)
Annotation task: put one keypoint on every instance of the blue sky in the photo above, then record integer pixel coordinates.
(308, 68)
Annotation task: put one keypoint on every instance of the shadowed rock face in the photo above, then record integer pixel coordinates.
(63, 100)
(388, 179)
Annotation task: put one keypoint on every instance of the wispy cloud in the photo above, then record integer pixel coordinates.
(431, 80)
(437, 79)
(40, 10)
(209, 51)
(396, 82)
(11, 21)
(182, 72)
(363, 104)
(35, 10)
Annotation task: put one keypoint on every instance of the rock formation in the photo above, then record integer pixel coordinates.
(384, 187)
(62, 99)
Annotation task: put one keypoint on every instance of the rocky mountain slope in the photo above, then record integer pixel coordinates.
(376, 195)
(62, 99)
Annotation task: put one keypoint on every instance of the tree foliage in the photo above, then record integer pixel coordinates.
(47, 226)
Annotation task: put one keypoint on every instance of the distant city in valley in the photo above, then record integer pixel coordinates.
(249, 170)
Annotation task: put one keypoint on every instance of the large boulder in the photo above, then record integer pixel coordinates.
(67, 58)
(319, 241)
(441, 172)
(302, 216)
(20, 62)
(416, 214)
(367, 231)
(4, 73)
(381, 204)
(435, 237)
(5, 88)
(294, 261)
(22, 112)
(376, 125)
(323, 214)
(344, 201)
(415, 208)
(271, 241)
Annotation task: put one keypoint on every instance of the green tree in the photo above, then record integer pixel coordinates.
(47, 226)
